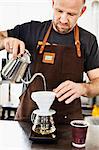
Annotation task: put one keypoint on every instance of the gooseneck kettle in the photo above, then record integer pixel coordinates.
(15, 68)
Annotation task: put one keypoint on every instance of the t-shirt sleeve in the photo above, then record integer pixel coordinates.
(14, 32)
(20, 31)
(26, 32)
(92, 55)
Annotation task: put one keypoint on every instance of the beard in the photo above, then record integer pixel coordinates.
(60, 29)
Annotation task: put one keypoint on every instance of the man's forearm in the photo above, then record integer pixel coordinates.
(91, 88)
(3, 35)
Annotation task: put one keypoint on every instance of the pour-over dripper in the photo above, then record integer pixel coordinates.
(41, 118)
(43, 99)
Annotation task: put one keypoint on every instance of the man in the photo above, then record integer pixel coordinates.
(62, 51)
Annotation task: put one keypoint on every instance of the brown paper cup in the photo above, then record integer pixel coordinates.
(79, 131)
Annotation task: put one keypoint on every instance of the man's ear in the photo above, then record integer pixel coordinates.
(52, 2)
(83, 10)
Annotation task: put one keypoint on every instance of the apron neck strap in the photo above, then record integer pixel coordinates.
(76, 36)
(77, 41)
(45, 38)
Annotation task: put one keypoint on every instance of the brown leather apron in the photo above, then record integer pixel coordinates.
(57, 63)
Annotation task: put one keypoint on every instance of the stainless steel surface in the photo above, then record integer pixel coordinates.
(15, 68)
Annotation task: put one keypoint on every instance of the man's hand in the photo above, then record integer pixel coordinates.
(69, 91)
(14, 46)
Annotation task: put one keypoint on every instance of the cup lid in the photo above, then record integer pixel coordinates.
(79, 123)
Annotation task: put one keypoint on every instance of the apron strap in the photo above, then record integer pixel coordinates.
(76, 36)
(45, 39)
(77, 41)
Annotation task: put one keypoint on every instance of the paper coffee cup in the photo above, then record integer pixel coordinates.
(79, 131)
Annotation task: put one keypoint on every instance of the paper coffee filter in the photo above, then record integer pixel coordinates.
(43, 99)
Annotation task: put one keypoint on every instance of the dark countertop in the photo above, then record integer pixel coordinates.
(14, 135)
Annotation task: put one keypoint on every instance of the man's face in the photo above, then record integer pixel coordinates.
(66, 14)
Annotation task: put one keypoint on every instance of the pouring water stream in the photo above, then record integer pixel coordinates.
(43, 99)
(33, 77)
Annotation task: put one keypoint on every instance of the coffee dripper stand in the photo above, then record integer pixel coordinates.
(43, 128)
